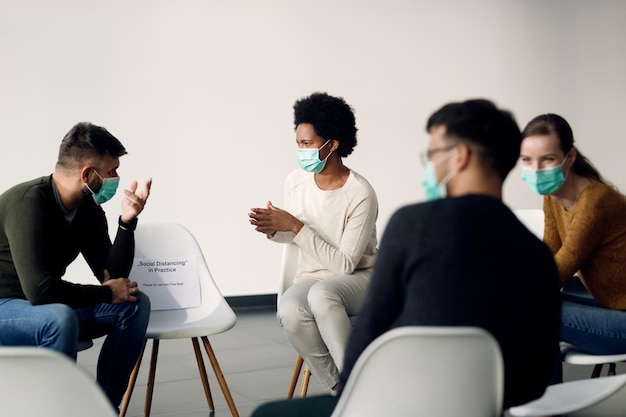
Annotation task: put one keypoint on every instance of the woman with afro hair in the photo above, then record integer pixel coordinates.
(330, 214)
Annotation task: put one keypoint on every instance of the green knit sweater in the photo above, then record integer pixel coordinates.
(37, 244)
(591, 240)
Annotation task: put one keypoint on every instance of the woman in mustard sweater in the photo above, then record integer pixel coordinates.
(585, 227)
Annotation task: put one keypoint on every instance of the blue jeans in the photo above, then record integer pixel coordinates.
(59, 327)
(54, 326)
(590, 327)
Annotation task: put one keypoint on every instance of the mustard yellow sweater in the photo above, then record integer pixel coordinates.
(591, 240)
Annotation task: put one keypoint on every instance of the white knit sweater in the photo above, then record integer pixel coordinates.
(339, 233)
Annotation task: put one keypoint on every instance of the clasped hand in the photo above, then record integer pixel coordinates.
(121, 288)
(271, 219)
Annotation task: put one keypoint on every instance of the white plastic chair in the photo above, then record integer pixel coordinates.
(574, 356)
(598, 397)
(426, 372)
(532, 219)
(213, 316)
(288, 267)
(42, 382)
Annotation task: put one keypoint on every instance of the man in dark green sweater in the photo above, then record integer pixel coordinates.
(44, 225)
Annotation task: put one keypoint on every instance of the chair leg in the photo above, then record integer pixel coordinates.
(132, 381)
(597, 370)
(305, 381)
(220, 377)
(151, 375)
(203, 374)
(294, 377)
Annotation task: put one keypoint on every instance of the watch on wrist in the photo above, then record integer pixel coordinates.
(132, 225)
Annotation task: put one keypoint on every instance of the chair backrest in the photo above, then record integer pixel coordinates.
(172, 240)
(288, 267)
(42, 382)
(426, 372)
(533, 219)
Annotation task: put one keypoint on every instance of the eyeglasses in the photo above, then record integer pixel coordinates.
(427, 155)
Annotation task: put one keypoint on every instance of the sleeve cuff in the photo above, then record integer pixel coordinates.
(304, 235)
(131, 226)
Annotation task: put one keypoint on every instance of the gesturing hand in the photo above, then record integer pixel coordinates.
(134, 202)
(272, 219)
(121, 288)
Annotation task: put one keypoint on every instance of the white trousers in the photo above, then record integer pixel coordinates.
(315, 317)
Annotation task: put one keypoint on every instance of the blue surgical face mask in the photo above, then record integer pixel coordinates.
(546, 180)
(434, 189)
(108, 189)
(309, 159)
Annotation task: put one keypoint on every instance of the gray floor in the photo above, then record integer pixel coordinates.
(255, 357)
(256, 360)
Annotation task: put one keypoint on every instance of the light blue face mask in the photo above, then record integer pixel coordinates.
(108, 189)
(434, 189)
(309, 159)
(546, 180)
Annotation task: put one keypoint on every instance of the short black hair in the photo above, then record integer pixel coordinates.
(493, 132)
(331, 117)
(85, 142)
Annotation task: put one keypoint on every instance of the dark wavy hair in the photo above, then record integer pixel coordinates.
(331, 117)
(85, 142)
(553, 124)
(493, 132)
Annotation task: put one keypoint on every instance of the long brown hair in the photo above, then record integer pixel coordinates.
(556, 125)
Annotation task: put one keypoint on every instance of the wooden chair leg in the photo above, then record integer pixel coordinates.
(220, 377)
(132, 381)
(151, 375)
(294, 377)
(305, 381)
(203, 375)
(597, 370)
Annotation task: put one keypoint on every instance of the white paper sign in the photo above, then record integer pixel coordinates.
(170, 283)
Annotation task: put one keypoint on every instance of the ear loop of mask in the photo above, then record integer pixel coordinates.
(87, 184)
(448, 177)
(320, 148)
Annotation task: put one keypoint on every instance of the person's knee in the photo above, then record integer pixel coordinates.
(323, 297)
(291, 313)
(60, 328)
(60, 318)
(143, 307)
(143, 302)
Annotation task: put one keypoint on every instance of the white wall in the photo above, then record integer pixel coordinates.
(201, 92)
